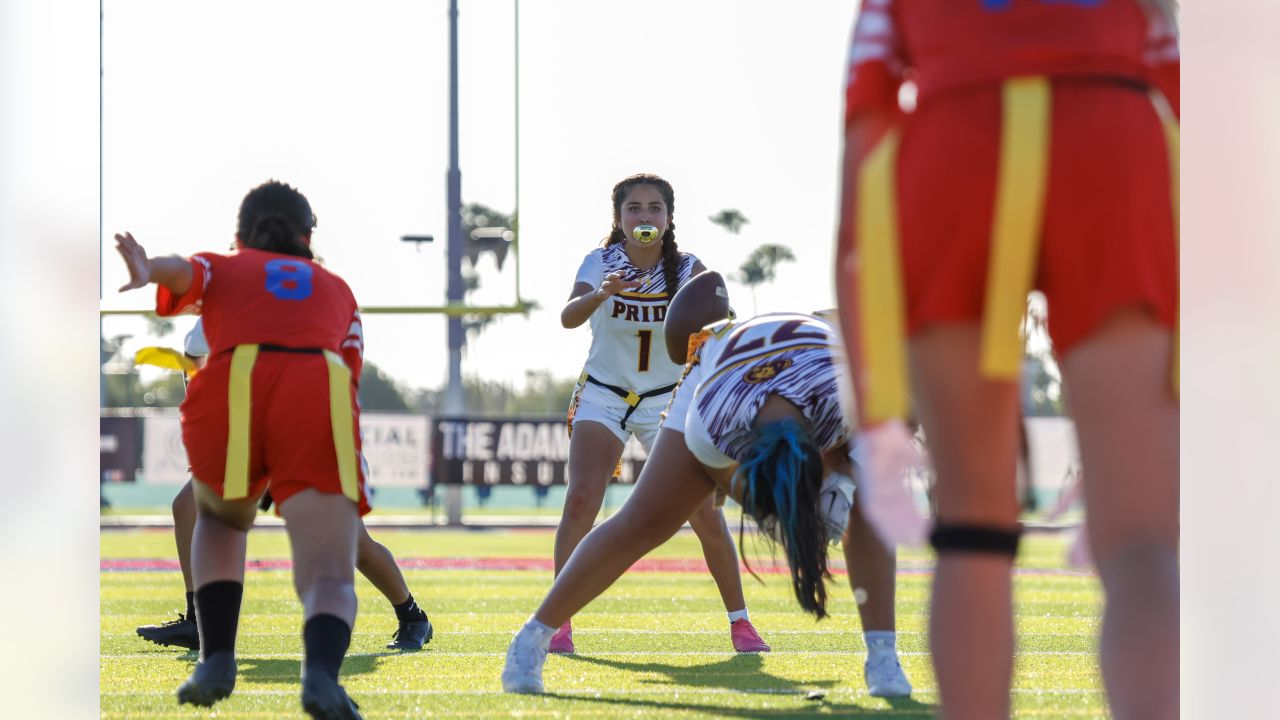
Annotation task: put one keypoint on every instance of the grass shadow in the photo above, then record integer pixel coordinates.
(898, 707)
(716, 674)
(276, 670)
(719, 675)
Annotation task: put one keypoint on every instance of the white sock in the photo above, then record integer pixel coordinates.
(737, 615)
(880, 642)
(541, 632)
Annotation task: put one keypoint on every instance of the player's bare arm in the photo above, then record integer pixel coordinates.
(584, 299)
(171, 271)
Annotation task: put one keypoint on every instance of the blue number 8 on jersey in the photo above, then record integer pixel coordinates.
(288, 279)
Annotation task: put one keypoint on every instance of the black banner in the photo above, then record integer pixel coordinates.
(120, 443)
(510, 451)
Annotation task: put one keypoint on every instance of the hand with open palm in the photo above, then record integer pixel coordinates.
(614, 284)
(135, 258)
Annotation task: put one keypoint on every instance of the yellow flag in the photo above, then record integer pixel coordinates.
(167, 358)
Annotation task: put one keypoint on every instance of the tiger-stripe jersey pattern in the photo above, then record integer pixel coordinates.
(792, 355)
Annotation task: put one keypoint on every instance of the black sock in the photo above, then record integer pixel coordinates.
(217, 614)
(408, 611)
(325, 639)
(191, 606)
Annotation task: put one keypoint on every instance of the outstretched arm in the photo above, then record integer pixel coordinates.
(171, 271)
(585, 299)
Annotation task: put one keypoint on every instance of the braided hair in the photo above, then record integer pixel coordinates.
(782, 479)
(670, 251)
(275, 217)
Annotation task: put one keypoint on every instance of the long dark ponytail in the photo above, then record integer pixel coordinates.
(670, 251)
(782, 478)
(275, 217)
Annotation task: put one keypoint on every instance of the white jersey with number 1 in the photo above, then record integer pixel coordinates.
(628, 348)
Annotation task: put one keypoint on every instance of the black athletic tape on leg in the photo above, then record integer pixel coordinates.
(975, 538)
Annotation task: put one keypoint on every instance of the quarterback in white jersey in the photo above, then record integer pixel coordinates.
(623, 289)
(628, 372)
(757, 415)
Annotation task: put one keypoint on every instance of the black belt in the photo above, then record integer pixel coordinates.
(268, 347)
(631, 397)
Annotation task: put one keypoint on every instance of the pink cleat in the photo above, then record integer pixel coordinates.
(562, 641)
(745, 638)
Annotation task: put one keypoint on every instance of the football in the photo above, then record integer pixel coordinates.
(702, 300)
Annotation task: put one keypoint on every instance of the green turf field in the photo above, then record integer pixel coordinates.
(655, 644)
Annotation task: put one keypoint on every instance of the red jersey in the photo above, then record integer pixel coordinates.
(254, 296)
(945, 44)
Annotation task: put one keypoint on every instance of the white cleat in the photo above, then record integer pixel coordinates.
(525, 656)
(885, 678)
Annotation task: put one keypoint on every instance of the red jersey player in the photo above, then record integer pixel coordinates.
(1041, 153)
(276, 398)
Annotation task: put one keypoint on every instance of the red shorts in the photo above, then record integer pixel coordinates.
(284, 421)
(1106, 230)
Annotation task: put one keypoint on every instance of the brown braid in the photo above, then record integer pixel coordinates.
(670, 252)
(670, 262)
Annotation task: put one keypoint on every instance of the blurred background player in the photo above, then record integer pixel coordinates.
(274, 407)
(623, 288)
(373, 560)
(758, 416)
(1040, 154)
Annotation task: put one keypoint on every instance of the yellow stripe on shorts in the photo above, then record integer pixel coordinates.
(235, 478)
(1015, 233)
(342, 419)
(881, 316)
(1172, 140)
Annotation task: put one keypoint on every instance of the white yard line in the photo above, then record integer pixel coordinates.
(591, 693)
(160, 655)
(580, 633)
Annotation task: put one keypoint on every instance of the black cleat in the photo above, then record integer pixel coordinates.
(181, 632)
(324, 699)
(213, 679)
(412, 635)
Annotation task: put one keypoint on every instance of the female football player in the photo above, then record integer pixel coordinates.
(623, 289)
(274, 407)
(373, 560)
(757, 416)
(1039, 154)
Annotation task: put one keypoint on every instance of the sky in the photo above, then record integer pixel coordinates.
(202, 102)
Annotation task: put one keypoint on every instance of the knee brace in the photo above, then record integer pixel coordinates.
(975, 539)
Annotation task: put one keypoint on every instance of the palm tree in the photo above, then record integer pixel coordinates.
(761, 266)
(731, 220)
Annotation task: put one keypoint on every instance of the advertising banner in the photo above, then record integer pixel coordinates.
(120, 446)
(164, 459)
(511, 451)
(397, 449)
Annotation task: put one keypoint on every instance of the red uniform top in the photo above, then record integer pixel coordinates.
(254, 296)
(945, 44)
